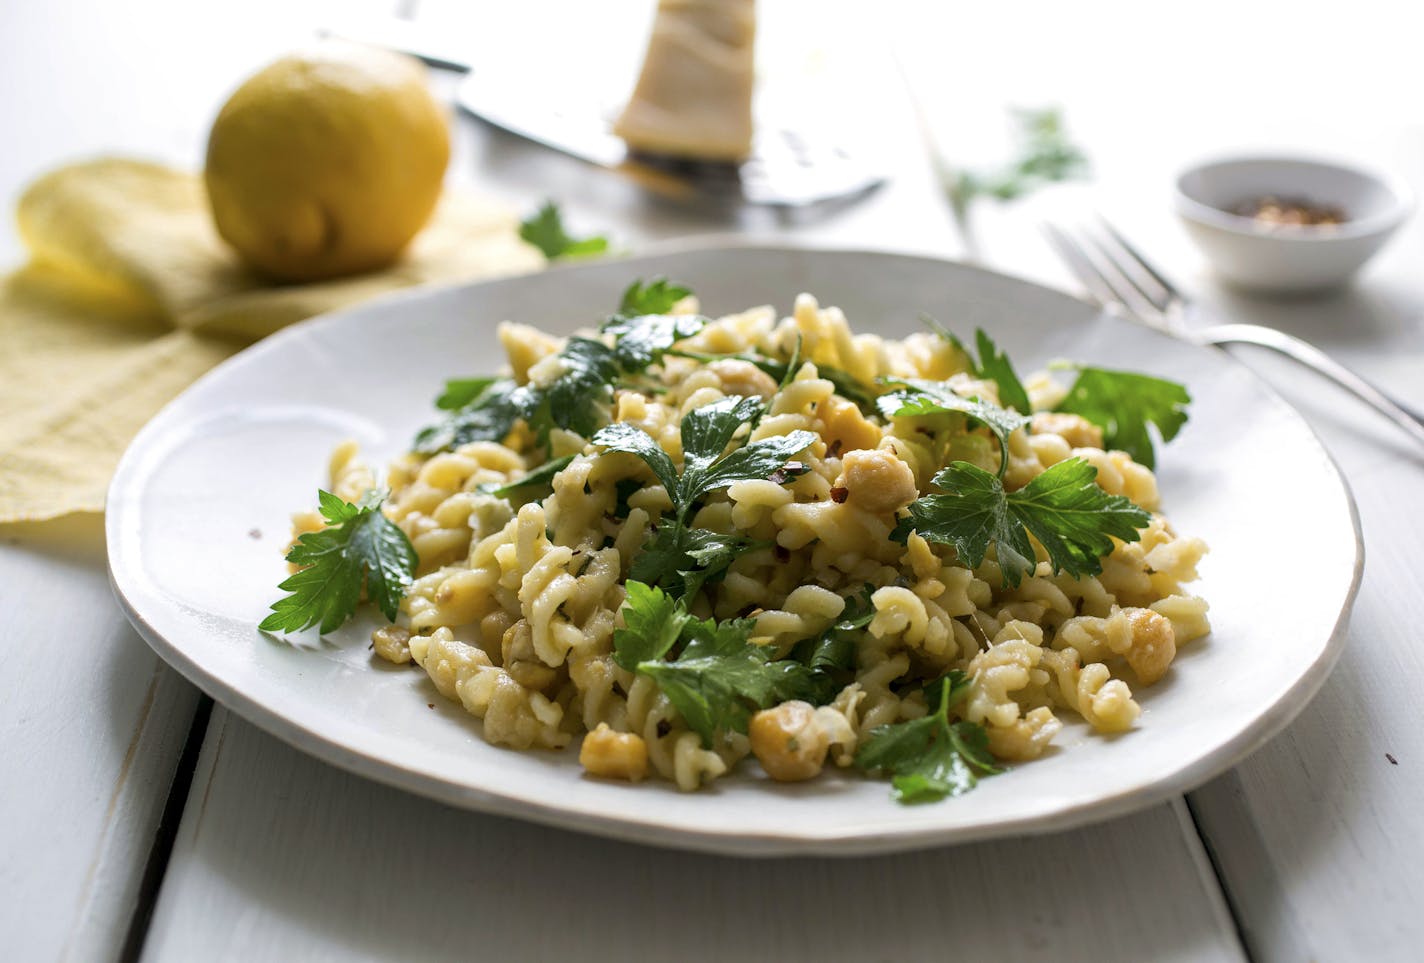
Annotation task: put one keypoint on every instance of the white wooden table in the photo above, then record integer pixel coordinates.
(135, 820)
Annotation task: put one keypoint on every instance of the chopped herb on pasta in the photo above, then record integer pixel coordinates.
(680, 541)
(1123, 404)
(1071, 517)
(359, 550)
(932, 757)
(658, 296)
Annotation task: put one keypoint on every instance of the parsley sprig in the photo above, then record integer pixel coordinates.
(831, 655)
(1123, 403)
(931, 757)
(488, 409)
(711, 671)
(918, 397)
(684, 558)
(576, 400)
(545, 230)
(1073, 519)
(1044, 155)
(658, 296)
(991, 365)
(361, 549)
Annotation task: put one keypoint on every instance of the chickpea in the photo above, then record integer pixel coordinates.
(1078, 431)
(614, 755)
(392, 643)
(743, 378)
(789, 741)
(877, 481)
(1154, 644)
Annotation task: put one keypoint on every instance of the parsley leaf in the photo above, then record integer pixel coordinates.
(677, 556)
(1122, 403)
(459, 392)
(486, 409)
(623, 436)
(706, 433)
(718, 678)
(793, 365)
(1063, 508)
(995, 366)
(644, 338)
(361, 548)
(830, 656)
(545, 230)
(541, 477)
(991, 365)
(653, 622)
(657, 296)
(576, 399)
(685, 559)
(931, 758)
(920, 397)
(488, 416)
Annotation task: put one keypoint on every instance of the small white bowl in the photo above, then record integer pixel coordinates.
(1288, 258)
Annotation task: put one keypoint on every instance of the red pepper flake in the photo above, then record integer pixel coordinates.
(792, 469)
(839, 495)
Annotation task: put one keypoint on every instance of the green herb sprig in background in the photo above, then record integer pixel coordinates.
(545, 230)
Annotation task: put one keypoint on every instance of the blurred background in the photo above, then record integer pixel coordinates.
(1144, 90)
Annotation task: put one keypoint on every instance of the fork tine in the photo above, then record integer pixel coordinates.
(1147, 270)
(1108, 282)
(1079, 265)
(1119, 277)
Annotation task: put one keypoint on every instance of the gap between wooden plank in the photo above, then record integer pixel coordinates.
(156, 865)
(1211, 864)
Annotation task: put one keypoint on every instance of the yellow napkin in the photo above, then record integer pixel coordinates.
(130, 295)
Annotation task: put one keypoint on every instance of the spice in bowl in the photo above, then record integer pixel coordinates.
(1270, 212)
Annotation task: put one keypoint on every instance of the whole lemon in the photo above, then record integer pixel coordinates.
(327, 162)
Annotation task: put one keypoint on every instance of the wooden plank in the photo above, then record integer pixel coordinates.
(280, 856)
(91, 728)
(1317, 834)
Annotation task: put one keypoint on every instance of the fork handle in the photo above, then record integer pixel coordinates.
(1318, 361)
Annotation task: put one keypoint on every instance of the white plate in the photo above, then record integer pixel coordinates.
(198, 516)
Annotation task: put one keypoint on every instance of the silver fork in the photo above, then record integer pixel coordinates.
(1115, 274)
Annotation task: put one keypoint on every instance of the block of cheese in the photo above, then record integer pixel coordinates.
(694, 96)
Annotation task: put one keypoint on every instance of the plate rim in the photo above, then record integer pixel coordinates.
(627, 827)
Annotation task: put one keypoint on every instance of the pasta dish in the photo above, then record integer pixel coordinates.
(674, 542)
